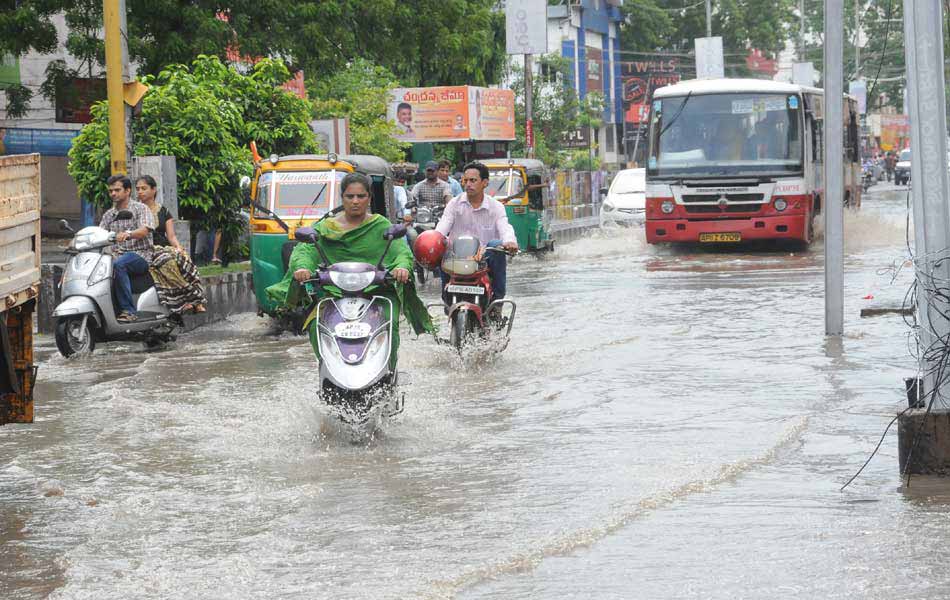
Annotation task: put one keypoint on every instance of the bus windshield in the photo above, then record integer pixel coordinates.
(300, 193)
(502, 184)
(730, 134)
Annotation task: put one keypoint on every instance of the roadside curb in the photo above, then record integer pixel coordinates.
(228, 294)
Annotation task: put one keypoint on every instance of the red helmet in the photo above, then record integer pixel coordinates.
(429, 248)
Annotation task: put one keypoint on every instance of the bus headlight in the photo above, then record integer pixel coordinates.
(667, 207)
(780, 204)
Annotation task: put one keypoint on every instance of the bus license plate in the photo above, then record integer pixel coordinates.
(352, 331)
(720, 237)
(464, 289)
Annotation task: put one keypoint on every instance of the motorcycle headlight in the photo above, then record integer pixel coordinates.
(667, 207)
(100, 273)
(780, 204)
(352, 282)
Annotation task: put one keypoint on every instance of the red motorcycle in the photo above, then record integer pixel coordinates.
(467, 299)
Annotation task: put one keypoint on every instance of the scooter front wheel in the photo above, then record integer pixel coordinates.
(74, 336)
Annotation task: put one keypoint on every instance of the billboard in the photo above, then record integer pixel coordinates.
(491, 114)
(452, 113)
(642, 78)
(333, 135)
(526, 26)
(709, 58)
(75, 97)
(895, 132)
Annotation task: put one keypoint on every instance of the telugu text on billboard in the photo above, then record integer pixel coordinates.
(433, 114)
(492, 114)
(452, 113)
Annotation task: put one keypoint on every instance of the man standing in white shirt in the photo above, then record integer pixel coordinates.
(477, 214)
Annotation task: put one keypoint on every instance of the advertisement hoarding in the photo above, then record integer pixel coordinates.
(526, 26)
(709, 58)
(452, 113)
(895, 132)
(640, 80)
(333, 135)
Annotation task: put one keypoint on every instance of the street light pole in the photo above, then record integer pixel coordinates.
(833, 201)
(708, 18)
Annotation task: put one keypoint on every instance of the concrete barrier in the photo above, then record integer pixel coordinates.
(568, 231)
(228, 294)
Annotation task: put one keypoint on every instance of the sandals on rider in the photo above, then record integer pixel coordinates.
(126, 317)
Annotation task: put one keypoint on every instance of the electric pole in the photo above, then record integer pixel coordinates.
(117, 73)
(708, 18)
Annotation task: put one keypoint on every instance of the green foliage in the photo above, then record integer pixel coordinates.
(672, 25)
(205, 116)
(361, 93)
(583, 160)
(555, 109)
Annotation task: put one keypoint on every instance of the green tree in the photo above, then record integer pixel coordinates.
(361, 93)
(205, 116)
(555, 109)
(672, 25)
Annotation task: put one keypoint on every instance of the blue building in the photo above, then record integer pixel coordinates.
(587, 33)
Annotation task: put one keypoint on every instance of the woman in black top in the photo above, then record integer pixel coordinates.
(176, 277)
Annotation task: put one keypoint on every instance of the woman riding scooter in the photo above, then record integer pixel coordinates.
(354, 235)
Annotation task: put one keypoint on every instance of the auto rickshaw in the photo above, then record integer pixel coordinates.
(522, 185)
(294, 191)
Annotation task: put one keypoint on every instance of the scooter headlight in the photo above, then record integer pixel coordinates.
(780, 204)
(667, 207)
(352, 282)
(100, 273)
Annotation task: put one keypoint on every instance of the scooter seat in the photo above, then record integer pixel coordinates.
(142, 282)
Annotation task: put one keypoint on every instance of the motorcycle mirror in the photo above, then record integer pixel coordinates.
(123, 215)
(64, 225)
(603, 192)
(395, 232)
(305, 234)
(411, 204)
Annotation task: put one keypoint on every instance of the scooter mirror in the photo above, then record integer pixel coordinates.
(395, 232)
(305, 234)
(64, 225)
(123, 215)
(411, 204)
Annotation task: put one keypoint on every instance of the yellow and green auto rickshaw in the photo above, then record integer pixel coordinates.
(523, 185)
(294, 191)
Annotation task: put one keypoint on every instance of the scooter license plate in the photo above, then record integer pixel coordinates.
(464, 289)
(352, 331)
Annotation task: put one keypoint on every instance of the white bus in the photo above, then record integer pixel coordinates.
(733, 160)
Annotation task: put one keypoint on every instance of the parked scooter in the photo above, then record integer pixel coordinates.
(424, 219)
(468, 299)
(355, 333)
(87, 312)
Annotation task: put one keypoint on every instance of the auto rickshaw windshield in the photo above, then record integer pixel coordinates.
(300, 193)
(505, 183)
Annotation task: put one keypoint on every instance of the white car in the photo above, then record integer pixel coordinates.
(625, 203)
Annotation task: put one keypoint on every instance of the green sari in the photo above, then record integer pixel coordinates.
(361, 244)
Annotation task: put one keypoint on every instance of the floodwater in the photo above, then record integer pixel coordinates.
(664, 424)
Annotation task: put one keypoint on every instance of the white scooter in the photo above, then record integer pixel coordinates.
(87, 312)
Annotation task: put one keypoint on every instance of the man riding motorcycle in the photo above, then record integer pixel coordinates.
(354, 235)
(478, 214)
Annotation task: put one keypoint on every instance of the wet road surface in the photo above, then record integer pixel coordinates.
(664, 424)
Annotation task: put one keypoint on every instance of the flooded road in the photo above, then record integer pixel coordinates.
(664, 424)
